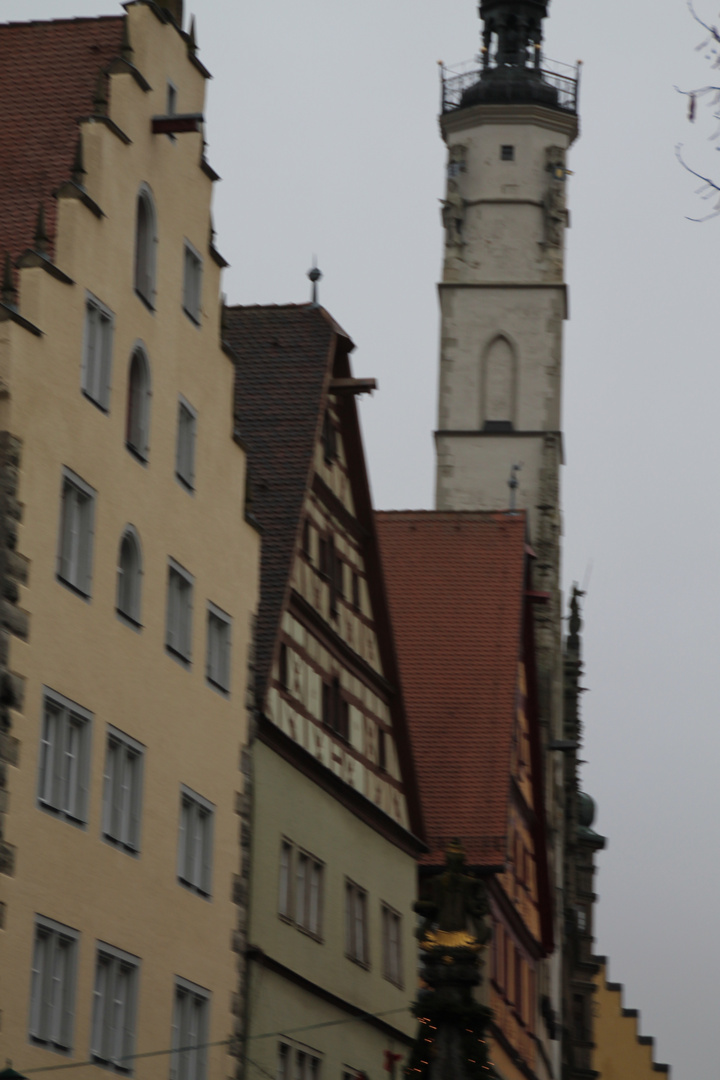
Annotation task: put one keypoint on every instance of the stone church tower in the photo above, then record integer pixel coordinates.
(508, 120)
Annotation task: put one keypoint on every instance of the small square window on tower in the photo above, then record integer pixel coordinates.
(507, 153)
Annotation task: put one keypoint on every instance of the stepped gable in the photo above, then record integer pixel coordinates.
(283, 357)
(618, 1028)
(456, 583)
(48, 76)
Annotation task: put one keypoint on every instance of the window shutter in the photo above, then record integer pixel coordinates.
(108, 787)
(36, 993)
(206, 852)
(136, 763)
(183, 839)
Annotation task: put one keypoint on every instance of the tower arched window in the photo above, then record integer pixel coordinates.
(129, 575)
(498, 385)
(145, 244)
(138, 405)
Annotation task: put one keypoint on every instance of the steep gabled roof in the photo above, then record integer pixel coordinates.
(285, 357)
(456, 583)
(48, 76)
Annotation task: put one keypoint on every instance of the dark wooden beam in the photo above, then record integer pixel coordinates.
(177, 124)
(353, 386)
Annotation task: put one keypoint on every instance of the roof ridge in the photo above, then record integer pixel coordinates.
(266, 307)
(67, 19)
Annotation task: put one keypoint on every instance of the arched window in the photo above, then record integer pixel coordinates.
(499, 386)
(138, 405)
(145, 243)
(129, 575)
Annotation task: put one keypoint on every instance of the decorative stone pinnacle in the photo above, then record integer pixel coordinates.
(41, 239)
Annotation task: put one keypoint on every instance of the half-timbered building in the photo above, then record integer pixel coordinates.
(461, 604)
(333, 823)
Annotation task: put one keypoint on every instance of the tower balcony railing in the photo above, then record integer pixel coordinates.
(563, 78)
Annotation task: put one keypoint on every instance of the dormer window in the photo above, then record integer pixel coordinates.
(145, 244)
(192, 283)
(329, 439)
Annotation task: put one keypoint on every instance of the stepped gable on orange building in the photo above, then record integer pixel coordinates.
(49, 75)
(458, 583)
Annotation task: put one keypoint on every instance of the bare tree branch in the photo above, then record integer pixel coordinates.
(710, 29)
(706, 180)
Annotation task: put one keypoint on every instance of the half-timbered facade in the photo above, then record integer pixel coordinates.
(334, 824)
(461, 606)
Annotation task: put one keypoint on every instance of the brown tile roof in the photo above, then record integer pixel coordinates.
(285, 357)
(48, 75)
(456, 588)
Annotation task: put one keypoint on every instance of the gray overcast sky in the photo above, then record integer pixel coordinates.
(322, 123)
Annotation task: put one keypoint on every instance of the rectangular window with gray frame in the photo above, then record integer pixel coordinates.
(114, 1008)
(391, 945)
(97, 351)
(185, 449)
(77, 522)
(191, 1024)
(195, 845)
(122, 790)
(192, 283)
(64, 758)
(218, 648)
(52, 993)
(178, 633)
(356, 929)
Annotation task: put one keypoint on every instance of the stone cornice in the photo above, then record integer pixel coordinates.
(538, 115)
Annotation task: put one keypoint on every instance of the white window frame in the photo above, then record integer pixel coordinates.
(301, 880)
(64, 760)
(192, 282)
(97, 351)
(52, 987)
(391, 922)
(145, 262)
(190, 1030)
(219, 648)
(179, 614)
(297, 1062)
(122, 790)
(356, 924)
(77, 529)
(185, 444)
(137, 415)
(195, 842)
(128, 596)
(114, 1014)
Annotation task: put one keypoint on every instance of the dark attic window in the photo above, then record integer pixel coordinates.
(382, 751)
(283, 667)
(306, 538)
(507, 153)
(329, 438)
(335, 709)
(356, 591)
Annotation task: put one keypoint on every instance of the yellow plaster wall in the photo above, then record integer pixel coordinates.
(192, 734)
(618, 1052)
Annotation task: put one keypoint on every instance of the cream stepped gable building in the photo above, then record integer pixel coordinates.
(508, 120)
(129, 568)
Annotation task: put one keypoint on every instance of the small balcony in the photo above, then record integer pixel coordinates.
(475, 82)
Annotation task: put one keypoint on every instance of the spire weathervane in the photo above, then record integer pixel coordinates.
(315, 275)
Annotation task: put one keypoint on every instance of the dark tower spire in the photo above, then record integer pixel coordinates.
(511, 55)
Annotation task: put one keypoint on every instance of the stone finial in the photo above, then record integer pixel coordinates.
(41, 238)
(192, 38)
(9, 292)
(100, 97)
(78, 167)
(126, 49)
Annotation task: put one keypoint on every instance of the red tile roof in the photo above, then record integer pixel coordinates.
(48, 75)
(456, 587)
